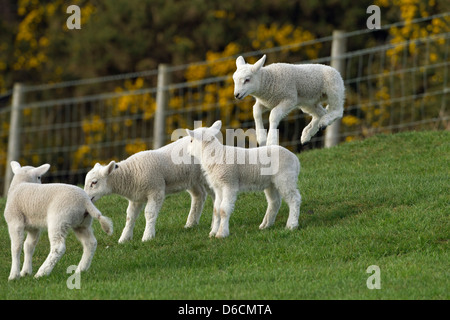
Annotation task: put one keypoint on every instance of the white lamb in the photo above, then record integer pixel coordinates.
(231, 169)
(283, 87)
(145, 178)
(32, 206)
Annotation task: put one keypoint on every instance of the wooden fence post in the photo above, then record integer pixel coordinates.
(338, 48)
(162, 104)
(14, 133)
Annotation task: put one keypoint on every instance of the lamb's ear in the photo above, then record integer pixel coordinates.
(42, 169)
(240, 61)
(214, 130)
(217, 125)
(15, 166)
(190, 133)
(259, 64)
(109, 168)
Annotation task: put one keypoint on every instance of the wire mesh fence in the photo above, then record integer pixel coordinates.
(390, 87)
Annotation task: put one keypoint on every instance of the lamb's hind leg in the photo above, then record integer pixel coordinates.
(216, 212)
(312, 128)
(229, 196)
(335, 110)
(273, 205)
(30, 245)
(198, 197)
(16, 234)
(87, 239)
(293, 199)
(133, 210)
(57, 236)
(152, 208)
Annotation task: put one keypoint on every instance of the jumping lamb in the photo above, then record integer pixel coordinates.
(32, 206)
(144, 179)
(229, 170)
(283, 87)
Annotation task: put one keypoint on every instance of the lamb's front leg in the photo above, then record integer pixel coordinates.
(276, 115)
(133, 210)
(152, 208)
(261, 135)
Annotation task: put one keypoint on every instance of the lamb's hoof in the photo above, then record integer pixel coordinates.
(124, 239)
(147, 238)
(221, 235)
(305, 141)
(25, 273)
(292, 226)
(190, 225)
(14, 277)
(265, 225)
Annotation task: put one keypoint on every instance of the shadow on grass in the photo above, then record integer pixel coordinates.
(330, 216)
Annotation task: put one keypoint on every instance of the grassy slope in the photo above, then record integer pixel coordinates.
(383, 201)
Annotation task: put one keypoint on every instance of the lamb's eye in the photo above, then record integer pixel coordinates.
(93, 183)
(247, 80)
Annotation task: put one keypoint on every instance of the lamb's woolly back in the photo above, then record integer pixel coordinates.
(309, 81)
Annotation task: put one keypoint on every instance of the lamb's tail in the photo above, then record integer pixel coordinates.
(105, 222)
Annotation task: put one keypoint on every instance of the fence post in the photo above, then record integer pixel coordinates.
(162, 104)
(338, 48)
(14, 133)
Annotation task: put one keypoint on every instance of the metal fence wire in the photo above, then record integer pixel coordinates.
(72, 125)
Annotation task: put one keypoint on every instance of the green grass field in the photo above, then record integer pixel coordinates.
(383, 201)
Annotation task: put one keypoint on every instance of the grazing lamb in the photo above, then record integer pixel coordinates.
(283, 87)
(32, 206)
(231, 169)
(146, 178)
